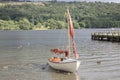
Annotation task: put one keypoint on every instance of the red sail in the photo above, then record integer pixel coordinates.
(75, 50)
(72, 35)
(70, 24)
(71, 29)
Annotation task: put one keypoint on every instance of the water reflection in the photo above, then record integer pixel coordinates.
(61, 75)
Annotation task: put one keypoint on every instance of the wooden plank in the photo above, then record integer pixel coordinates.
(113, 36)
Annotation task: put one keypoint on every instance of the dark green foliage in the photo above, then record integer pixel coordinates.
(51, 15)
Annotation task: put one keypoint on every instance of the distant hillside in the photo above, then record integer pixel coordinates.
(48, 15)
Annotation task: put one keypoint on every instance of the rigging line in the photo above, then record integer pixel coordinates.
(65, 43)
(63, 36)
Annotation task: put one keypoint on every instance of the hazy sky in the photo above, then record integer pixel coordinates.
(116, 1)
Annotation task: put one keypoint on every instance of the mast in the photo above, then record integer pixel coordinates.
(71, 36)
(68, 20)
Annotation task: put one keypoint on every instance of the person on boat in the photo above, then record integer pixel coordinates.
(66, 53)
(56, 52)
(55, 59)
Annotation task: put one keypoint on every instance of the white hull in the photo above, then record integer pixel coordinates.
(70, 65)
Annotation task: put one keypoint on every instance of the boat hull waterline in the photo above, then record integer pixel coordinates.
(69, 65)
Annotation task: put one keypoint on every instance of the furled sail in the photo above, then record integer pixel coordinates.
(71, 31)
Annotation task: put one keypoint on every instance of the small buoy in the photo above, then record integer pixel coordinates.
(68, 73)
(5, 67)
(43, 68)
(98, 62)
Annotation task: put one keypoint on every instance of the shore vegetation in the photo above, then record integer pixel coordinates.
(51, 15)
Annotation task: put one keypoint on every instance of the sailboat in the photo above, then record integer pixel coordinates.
(66, 63)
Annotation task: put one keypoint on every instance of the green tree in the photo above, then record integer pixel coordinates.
(82, 24)
(76, 24)
(51, 24)
(8, 25)
(61, 25)
(24, 24)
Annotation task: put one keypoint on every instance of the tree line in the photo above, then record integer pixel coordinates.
(49, 15)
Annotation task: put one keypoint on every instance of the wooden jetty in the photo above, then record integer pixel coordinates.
(113, 36)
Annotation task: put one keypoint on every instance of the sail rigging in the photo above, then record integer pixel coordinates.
(71, 34)
(70, 39)
(66, 63)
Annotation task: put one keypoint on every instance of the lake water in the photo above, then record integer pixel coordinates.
(24, 54)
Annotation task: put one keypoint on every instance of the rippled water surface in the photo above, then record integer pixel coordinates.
(24, 54)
